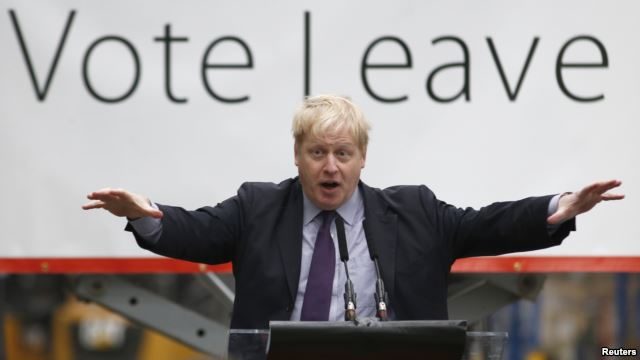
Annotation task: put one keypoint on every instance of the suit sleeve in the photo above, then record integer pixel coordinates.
(207, 235)
(500, 228)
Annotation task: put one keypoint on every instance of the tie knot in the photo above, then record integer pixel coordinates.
(327, 216)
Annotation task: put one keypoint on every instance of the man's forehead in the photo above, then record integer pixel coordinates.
(339, 138)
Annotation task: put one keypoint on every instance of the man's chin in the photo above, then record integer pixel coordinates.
(325, 203)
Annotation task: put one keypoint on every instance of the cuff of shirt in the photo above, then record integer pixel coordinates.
(553, 207)
(148, 228)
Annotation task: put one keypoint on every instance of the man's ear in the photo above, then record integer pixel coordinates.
(364, 158)
(295, 154)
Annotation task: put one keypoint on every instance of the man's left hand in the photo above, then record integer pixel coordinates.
(573, 204)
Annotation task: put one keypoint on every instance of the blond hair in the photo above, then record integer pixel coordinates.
(328, 114)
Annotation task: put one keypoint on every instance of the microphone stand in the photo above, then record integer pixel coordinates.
(381, 296)
(349, 293)
(349, 298)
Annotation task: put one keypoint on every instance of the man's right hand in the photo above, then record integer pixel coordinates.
(120, 202)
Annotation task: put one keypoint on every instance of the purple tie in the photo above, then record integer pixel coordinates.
(317, 296)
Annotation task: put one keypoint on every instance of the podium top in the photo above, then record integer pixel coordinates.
(253, 344)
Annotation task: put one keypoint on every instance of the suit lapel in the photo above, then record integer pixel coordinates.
(381, 229)
(289, 234)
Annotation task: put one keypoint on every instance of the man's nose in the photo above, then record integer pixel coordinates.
(331, 165)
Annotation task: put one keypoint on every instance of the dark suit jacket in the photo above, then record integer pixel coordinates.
(417, 237)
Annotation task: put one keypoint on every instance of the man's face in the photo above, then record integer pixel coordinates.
(329, 168)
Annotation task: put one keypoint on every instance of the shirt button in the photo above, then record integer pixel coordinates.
(288, 308)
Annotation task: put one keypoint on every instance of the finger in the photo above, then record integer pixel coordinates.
(557, 217)
(150, 210)
(553, 219)
(118, 193)
(103, 196)
(93, 205)
(155, 213)
(607, 185)
(102, 191)
(589, 188)
(601, 187)
(612, 184)
(609, 196)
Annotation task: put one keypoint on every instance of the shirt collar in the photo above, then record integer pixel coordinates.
(347, 211)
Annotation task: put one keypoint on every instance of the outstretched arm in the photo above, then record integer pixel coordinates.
(207, 235)
(573, 204)
(120, 202)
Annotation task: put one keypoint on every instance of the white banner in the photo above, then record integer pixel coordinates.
(183, 101)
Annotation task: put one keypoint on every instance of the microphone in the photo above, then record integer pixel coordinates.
(349, 293)
(381, 297)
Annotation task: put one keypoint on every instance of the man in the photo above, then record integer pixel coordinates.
(282, 242)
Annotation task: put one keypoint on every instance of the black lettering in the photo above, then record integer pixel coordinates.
(465, 67)
(41, 94)
(85, 69)
(167, 40)
(307, 53)
(512, 94)
(206, 66)
(365, 66)
(560, 65)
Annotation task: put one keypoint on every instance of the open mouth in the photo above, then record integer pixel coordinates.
(329, 185)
